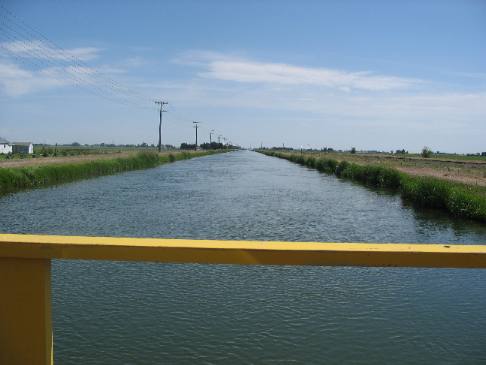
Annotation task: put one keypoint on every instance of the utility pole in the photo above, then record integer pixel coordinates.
(161, 103)
(210, 135)
(196, 126)
(219, 138)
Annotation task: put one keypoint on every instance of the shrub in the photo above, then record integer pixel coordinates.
(425, 191)
(426, 152)
(310, 161)
(326, 165)
(341, 167)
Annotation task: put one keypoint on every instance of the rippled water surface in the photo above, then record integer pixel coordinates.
(139, 313)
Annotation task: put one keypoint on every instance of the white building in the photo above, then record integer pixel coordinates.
(22, 147)
(5, 146)
(15, 147)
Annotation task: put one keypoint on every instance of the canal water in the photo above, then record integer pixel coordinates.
(147, 313)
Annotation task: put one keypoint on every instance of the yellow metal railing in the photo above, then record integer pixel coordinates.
(25, 263)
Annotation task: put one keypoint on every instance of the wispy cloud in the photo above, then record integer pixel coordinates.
(17, 81)
(41, 50)
(424, 106)
(29, 66)
(228, 68)
(322, 94)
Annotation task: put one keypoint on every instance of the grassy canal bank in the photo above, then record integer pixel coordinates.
(459, 199)
(469, 170)
(21, 178)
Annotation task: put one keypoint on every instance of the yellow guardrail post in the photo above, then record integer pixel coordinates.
(25, 311)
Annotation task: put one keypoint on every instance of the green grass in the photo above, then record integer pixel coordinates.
(458, 199)
(17, 179)
(86, 150)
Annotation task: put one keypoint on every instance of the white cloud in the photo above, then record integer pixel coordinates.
(229, 68)
(322, 94)
(424, 111)
(17, 81)
(41, 50)
(247, 71)
(32, 66)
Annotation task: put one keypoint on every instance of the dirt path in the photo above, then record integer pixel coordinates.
(424, 171)
(40, 161)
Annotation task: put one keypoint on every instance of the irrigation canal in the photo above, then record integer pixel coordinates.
(135, 313)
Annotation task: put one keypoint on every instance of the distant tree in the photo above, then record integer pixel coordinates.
(426, 152)
(212, 146)
(353, 150)
(327, 149)
(187, 146)
(75, 144)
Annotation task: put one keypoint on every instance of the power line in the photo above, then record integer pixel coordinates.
(33, 47)
(47, 52)
(65, 53)
(49, 69)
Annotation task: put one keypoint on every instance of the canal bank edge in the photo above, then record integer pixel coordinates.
(13, 180)
(457, 199)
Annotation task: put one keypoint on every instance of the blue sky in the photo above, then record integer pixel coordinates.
(374, 75)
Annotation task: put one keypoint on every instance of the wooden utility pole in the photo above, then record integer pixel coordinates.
(196, 126)
(161, 103)
(210, 136)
